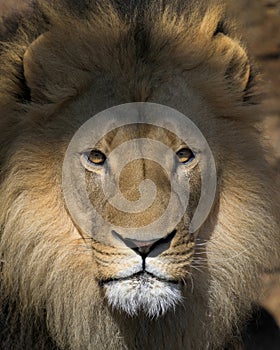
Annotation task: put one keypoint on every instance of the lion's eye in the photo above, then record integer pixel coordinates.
(185, 155)
(96, 157)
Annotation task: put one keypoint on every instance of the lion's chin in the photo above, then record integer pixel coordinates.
(143, 293)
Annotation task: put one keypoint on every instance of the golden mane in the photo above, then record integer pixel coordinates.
(126, 51)
(122, 37)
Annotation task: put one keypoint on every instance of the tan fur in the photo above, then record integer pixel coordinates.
(54, 78)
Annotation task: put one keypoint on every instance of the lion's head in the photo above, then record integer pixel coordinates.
(100, 281)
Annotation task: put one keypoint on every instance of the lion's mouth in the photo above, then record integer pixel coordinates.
(144, 285)
(138, 276)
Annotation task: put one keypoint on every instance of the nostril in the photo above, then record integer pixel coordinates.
(152, 247)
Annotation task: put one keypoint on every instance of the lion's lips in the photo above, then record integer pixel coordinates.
(138, 275)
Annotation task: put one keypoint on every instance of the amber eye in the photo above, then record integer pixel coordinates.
(185, 155)
(96, 157)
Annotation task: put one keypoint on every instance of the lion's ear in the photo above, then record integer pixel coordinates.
(49, 73)
(33, 70)
(237, 68)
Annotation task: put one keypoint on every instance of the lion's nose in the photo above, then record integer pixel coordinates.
(141, 247)
(151, 247)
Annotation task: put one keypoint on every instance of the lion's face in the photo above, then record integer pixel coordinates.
(141, 268)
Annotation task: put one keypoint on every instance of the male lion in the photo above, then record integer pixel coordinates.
(63, 288)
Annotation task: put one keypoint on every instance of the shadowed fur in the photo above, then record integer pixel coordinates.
(185, 54)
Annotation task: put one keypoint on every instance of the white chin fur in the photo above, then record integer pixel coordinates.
(143, 293)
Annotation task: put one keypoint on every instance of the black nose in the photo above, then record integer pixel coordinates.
(152, 247)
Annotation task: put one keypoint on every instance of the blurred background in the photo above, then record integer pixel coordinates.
(261, 29)
(261, 21)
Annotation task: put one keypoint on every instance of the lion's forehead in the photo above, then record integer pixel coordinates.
(137, 131)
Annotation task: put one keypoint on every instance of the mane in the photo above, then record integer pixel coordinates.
(137, 36)
(132, 47)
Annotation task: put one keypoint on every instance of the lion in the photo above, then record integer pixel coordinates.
(62, 288)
